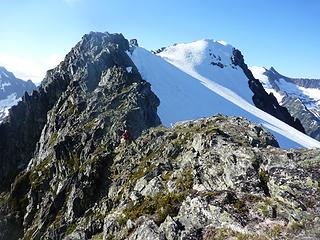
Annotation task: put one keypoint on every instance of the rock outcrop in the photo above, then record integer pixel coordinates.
(213, 178)
(81, 107)
(263, 100)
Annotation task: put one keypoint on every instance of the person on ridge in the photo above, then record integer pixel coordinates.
(126, 136)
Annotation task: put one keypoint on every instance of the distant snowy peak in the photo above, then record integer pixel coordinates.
(307, 90)
(300, 96)
(206, 77)
(225, 64)
(198, 53)
(210, 58)
(260, 73)
(11, 90)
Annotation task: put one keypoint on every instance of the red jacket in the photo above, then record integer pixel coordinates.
(125, 135)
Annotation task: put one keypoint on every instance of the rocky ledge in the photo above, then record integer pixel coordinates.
(215, 178)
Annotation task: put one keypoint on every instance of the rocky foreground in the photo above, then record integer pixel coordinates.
(66, 175)
(216, 178)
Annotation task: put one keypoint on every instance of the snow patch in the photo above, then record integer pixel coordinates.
(6, 104)
(3, 85)
(129, 69)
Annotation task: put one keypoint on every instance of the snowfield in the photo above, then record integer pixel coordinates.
(198, 80)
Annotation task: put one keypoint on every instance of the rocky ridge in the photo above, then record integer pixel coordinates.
(214, 178)
(73, 178)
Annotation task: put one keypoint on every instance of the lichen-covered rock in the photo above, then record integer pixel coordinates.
(215, 178)
(220, 178)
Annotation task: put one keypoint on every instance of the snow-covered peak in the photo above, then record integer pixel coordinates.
(209, 59)
(199, 52)
(5, 74)
(11, 90)
(258, 71)
(199, 79)
(300, 96)
(282, 86)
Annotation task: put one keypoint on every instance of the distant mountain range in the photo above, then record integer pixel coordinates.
(299, 95)
(11, 91)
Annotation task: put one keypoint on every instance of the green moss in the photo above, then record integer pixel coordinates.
(72, 108)
(125, 89)
(100, 149)
(3, 199)
(89, 125)
(40, 172)
(241, 207)
(276, 231)
(295, 226)
(53, 139)
(161, 205)
(185, 181)
(264, 179)
(73, 162)
(211, 195)
(166, 176)
(110, 237)
(29, 233)
(144, 167)
(263, 176)
(71, 227)
(264, 210)
(98, 236)
(180, 141)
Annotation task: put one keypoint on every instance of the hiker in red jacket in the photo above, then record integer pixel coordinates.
(126, 136)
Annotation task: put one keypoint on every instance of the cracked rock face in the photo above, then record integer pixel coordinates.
(215, 178)
(69, 170)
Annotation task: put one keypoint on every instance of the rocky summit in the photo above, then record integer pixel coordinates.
(66, 173)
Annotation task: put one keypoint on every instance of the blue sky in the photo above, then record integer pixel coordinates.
(36, 34)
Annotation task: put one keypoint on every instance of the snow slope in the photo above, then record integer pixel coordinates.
(6, 104)
(199, 80)
(310, 97)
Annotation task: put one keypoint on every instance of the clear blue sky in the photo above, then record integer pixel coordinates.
(35, 34)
